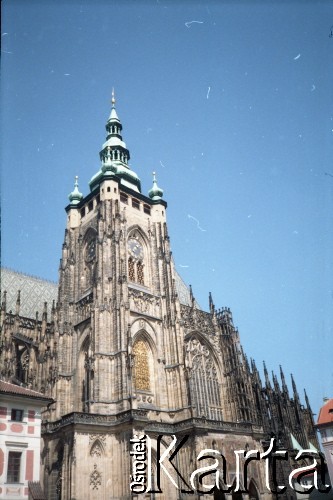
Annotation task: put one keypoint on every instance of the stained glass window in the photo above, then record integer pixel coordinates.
(141, 366)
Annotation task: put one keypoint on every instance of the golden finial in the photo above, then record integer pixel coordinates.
(113, 100)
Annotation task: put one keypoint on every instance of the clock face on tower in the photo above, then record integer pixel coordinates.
(91, 250)
(135, 249)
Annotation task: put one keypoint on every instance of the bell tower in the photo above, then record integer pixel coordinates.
(118, 333)
(120, 355)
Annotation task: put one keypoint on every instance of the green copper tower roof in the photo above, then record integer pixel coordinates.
(115, 155)
(75, 196)
(155, 193)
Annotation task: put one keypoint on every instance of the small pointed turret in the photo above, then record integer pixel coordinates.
(246, 361)
(283, 380)
(211, 304)
(255, 372)
(53, 311)
(191, 294)
(307, 402)
(155, 192)
(44, 316)
(75, 196)
(275, 382)
(268, 383)
(18, 302)
(4, 301)
(296, 397)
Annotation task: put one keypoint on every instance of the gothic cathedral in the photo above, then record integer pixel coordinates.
(125, 350)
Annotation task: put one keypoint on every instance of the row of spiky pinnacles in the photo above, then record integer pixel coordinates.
(128, 350)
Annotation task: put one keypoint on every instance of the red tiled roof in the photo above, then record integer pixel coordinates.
(326, 413)
(8, 388)
(309, 474)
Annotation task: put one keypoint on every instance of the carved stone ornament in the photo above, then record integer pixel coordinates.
(144, 398)
(198, 357)
(94, 437)
(73, 451)
(144, 303)
(25, 360)
(27, 323)
(96, 450)
(215, 340)
(194, 319)
(95, 478)
(172, 379)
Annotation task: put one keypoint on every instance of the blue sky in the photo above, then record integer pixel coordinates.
(231, 104)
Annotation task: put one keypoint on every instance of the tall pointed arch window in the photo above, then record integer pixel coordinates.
(141, 366)
(88, 270)
(131, 269)
(205, 388)
(136, 260)
(139, 273)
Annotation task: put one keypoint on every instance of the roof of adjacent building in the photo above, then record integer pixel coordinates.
(326, 413)
(18, 390)
(34, 292)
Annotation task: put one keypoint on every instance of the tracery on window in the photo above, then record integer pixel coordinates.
(22, 363)
(139, 272)
(204, 383)
(136, 259)
(131, 269)
(141, 366)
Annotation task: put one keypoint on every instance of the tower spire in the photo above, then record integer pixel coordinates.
(115, 155)
(113, 114)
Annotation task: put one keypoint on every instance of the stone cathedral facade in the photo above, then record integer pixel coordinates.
(124, 349)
